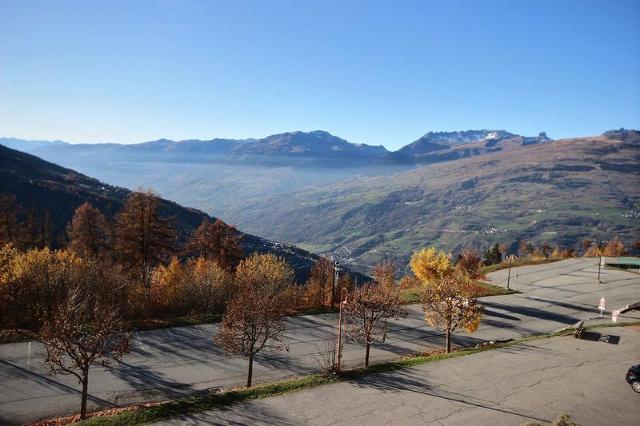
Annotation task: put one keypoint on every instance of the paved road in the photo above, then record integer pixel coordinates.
(528, 382)
(173, 362)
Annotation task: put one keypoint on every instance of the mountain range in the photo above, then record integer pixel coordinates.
(362, 203)
(280, 149)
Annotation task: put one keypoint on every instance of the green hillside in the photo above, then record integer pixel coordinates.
(558, 192)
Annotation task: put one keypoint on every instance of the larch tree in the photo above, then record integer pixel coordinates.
(211, 286)
(144, 238)
(88, 232)
(384, 274)
(319, 286)
(218, 241)
(431, 265)
(451, 303)
(253, 320)
(9, 226)
(369, 309)
(469, 263)
(614, 247)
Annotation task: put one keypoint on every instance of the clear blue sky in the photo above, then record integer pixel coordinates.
(379, 72)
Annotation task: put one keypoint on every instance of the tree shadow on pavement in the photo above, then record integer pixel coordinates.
(533, 312)
(599, 337)
(46, 381)
(248, 413)
(406, 382)
(142, 378)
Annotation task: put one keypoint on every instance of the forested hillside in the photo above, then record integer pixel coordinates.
(44, 197)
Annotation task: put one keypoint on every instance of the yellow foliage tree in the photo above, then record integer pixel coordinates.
(209, 285)
(431, 265)
(451, 303)
(168, 285)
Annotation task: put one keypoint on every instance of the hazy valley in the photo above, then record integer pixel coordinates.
(362, 204)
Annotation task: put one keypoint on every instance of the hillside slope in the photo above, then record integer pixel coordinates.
(558, 192)
(46, 187)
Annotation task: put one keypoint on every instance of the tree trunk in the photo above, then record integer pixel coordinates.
(366, 355)
(85, 392)
(448, 340)
(250, 371)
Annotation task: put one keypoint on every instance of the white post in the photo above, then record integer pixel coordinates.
(28, 355)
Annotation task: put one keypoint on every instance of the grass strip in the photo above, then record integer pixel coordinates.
(518, 262)
(414, 295)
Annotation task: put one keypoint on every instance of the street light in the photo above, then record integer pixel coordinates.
(599, 266)
(344, 294)
(336, 264)
(509, 258)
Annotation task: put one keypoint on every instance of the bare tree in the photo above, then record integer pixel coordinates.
(85, 329)
(384, 274)
(250, 324)
(253, 320)
(369, 309)
(451, 303)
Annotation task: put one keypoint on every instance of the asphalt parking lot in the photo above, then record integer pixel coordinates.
(533, 381)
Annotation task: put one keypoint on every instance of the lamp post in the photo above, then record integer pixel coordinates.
(599, 266)
(343, 301)
(509, 275)
(336, 264)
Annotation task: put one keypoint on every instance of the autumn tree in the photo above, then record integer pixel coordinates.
(369, 309)
(430, 265)
(469, 263)
(524, 249)
(86, 328)
(88, 232)
(586, 245)
(9, 226)
(33, 282)
(37, 229)
(319, 286)
(346, 281)
(493, 256)
(210, 286)
(384, 274)
(614, 247)
(168, 289)
(217, 241)
(253, 320)
(451, 303)
(145, 239)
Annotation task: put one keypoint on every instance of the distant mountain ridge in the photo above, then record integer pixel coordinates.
(283, 148)
(435, 147)
(279, 149)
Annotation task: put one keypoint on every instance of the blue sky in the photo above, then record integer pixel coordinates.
(378, 72)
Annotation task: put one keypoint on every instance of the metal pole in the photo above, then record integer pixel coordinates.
(343, 301)
(509, 277)
(335, 281)
(599, 265)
